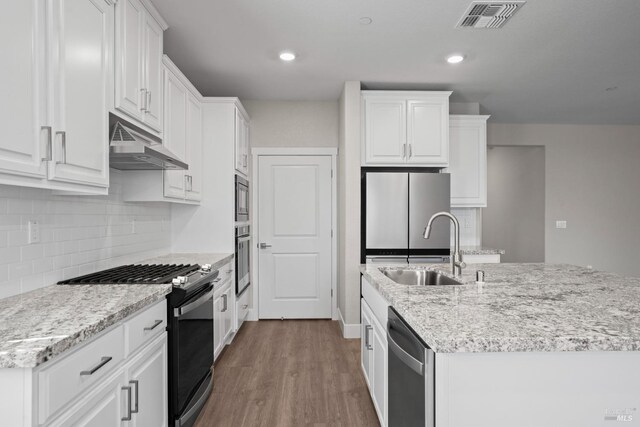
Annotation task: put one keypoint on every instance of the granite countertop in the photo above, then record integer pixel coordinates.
(480, 250)
(39, 325)
(216, 260)
(520, 307)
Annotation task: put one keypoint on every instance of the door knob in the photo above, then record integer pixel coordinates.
(263, 246)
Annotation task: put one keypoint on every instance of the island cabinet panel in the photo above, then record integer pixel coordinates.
(374, 359)
(568, 389)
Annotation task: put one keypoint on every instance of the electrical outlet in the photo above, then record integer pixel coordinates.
(34, 232)
(561, 224)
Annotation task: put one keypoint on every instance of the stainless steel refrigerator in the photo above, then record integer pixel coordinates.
(396, 206)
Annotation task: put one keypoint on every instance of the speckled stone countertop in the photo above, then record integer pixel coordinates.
(480, 250)
(520, 307)
(216, 260)
(39, 325)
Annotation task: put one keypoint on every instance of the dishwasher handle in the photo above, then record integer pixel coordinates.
(413, 363)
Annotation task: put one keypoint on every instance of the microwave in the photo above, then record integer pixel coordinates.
(242, 199)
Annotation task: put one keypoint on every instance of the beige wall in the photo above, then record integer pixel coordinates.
(510, 221)
(293, 123)
(349, 204)
(591, 181)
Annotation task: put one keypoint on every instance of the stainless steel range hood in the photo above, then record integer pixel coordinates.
(133, 148)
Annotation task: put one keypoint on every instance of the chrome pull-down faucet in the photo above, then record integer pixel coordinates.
(456, 262)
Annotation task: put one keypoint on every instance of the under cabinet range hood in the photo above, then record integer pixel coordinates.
(132, 148)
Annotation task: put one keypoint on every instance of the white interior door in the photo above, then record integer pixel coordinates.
(294, 224)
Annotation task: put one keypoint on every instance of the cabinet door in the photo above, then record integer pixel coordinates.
(239, 143)
(194, 149)
(22, 89)
(379, 370)
(104, 408)
(129, 57)
(227, 314)
(217, 324)
(153, 73)
(245, 147)
(81, 52)
(175, 132)
(148, 381)
(428, 132)
(385, 126)
(468, 161)
(366, 347)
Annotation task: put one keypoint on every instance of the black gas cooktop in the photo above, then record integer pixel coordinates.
(139, 274)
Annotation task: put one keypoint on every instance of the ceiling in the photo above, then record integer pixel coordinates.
(552, 63)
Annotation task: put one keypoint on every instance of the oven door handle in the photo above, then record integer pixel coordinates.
(177, 312)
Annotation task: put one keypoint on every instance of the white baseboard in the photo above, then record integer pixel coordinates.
(349, 330)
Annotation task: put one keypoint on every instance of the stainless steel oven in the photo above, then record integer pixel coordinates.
(242, 199)
(243, 248)
(190, 350)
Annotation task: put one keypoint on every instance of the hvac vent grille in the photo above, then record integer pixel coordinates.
(121, 135)
(489, 14)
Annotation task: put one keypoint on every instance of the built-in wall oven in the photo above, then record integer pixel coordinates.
(242, 199)
(243, 248)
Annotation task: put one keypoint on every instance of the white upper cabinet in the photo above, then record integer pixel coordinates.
(138, 91)
(56, 93)
(175, 135)
(385, 130)
(25, 135)
(194, 149)
(468, 160)
(242, 143)
(405, 128)
(81, 73)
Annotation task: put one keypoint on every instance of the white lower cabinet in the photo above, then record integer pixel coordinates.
(118, 378)
(147, 377)
(374, 359)
(223, 305)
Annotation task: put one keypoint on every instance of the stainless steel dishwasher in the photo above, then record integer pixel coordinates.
(411, 376)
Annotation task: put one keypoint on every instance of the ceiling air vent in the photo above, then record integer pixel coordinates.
(489, 14)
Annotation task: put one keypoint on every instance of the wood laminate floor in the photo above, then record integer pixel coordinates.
(289, 373)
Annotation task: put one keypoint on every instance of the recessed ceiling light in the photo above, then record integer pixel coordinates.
(365, 20)
(287, 56)
(455, 59)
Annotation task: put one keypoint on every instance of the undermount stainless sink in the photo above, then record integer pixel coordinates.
(419, 277)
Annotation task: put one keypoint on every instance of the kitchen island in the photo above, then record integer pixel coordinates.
(536, 344)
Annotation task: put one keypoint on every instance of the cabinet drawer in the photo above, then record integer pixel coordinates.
(242, 307)
(79, 371)
(145, 326)
(226, 271)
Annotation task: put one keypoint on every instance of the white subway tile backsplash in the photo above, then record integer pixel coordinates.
(78, 235)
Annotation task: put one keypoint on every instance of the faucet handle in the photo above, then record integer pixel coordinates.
(461, 264)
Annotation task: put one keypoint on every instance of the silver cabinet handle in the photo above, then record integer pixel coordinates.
(63, 141)
(225, 303)
(244, 160)
(129, 412)
(186, 183)
(404, 151)
(148, 102)
(143, 100)
(152, 327)
(135, 395)
(263, 246)
(49, 149)
(410, 152)
(367, 342)
(103, 361)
